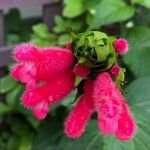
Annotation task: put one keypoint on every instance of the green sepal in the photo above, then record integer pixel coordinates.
(119, 80)
(78, 80)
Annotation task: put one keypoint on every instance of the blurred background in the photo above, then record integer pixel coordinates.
(49, 22)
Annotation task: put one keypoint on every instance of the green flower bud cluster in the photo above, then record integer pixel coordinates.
(94, 49)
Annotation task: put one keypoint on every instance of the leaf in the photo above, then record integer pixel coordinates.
(48, 135)
(108, 11)
(90, 140)
(145, 3)
(6, 84)
(25, 142)
(13, 96)
(73, 8)
(63, 39)
(69, 99)
(63, 24)
(138, 57)
(4, 108)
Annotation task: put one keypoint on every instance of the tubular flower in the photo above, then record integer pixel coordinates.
(47, 73)
(114, 116)
(80, 115)
(45, 62)
(121, 46)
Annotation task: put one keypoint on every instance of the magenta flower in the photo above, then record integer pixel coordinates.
(47, 73)
(114, 116)
(121, 46)
(80, 115)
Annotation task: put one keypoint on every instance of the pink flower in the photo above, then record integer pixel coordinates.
(121, 46)
(81, 70)
(114, 116)
(80, 115)
(115, 70)
(45, 61)
(47, 73)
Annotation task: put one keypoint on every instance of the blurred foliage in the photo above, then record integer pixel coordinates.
(127, 18)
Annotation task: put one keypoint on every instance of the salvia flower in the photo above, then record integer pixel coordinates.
(47, 73)
(89, 62)
(114, 116)
(80, 115)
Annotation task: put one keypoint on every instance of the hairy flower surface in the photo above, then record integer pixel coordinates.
(121, 46)
(80, 115)
(114, 116)
(45, 62)
(47, 73)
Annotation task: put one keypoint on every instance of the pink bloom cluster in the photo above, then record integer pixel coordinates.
(47, 73)
(114, 116)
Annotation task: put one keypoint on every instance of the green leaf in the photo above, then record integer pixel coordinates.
(25, 142)
(108, 11)
(63, 24)
(78, 80)
(4, 108)
(138, 57)
(69, 99)
(90, 140)
(6, 84)
(145, 3)
(63, 39)
(13, 96)
(48, 135)
(73, 8)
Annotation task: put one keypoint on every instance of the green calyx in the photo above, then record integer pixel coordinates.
(94, 49)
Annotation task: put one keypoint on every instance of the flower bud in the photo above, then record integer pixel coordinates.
(121, 46)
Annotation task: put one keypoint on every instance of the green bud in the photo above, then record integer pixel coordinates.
(94, 49)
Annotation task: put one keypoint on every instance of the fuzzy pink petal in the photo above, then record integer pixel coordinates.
(79, 116)
(107, 102)
(25, 52)
(23, 72)
(126, 124)
(30, 98)
(112, 109)
(108, 126)
(55, 59)
(81, 70)
(121, 46)
(16, 70)
(48, 61)
(53, 91)
(40, 110)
